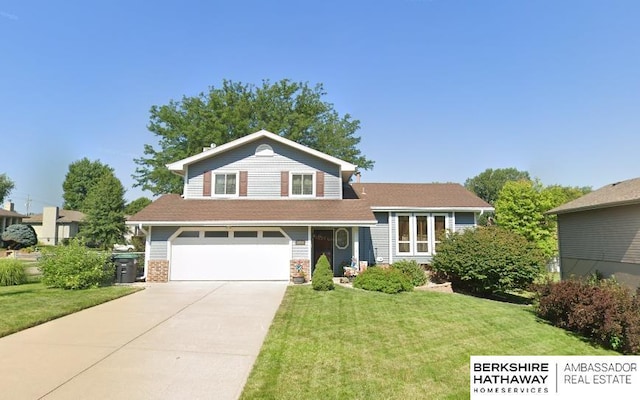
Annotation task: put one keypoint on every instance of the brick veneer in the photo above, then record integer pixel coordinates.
(305, 268)
(158, 271)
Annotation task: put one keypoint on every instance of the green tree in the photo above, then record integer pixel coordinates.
(136, 205)
(293, 110)
(6, 186)
(487, 184)
(105, 223)
(81, 177)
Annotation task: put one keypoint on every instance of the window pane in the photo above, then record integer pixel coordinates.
(272, 234)
(296, 184)
(231, 184)
(439, 222)
(422, 247)
(219, 184)
(421, 229)
(403, 247)
(245, 234)
(189, 234)
(403, 227)
(216, 234)
(308, 184)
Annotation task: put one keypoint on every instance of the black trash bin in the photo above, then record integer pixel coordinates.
(126, 267)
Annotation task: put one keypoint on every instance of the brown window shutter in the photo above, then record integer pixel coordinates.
(319, 184)
(284, 183)
(243, 183)
(206, 183)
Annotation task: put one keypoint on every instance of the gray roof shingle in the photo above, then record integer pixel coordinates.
(615, 194)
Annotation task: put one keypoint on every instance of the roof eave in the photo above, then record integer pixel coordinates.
(411, 208)
(559, 211)
(256, 223)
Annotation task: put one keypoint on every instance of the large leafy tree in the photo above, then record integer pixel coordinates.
(521, 208)
(487, 184)
(136, 205)
(6, 186)
(81, 177)
(293, 110)
(105, 223)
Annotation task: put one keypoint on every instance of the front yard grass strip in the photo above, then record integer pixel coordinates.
(353, 344)
(24, 306)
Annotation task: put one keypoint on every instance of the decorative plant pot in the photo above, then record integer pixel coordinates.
(298, 279)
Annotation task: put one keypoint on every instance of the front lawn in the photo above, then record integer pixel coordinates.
(352, 344)
(24, 306)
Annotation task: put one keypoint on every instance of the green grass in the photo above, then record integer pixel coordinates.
(352, 344)
(24, 306)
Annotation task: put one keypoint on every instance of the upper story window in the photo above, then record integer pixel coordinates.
(226, 184)
(302, 184)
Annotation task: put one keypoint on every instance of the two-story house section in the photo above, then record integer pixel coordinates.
(260, 206)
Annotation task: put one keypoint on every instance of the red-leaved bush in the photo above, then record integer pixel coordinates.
(604, 311)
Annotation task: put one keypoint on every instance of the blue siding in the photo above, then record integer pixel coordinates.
(159, 237)
(374, 241)
(299, 251)
(464, 220)
(263, 172)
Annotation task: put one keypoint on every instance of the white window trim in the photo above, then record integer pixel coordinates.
(413, 234)
(313, 183)
(429, 235)
(213, 183)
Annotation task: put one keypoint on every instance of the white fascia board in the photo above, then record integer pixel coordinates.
(257, 223)
(179, 166)
(434, 209)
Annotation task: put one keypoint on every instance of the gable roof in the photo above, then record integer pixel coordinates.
(615, 194)
(64, 217)
(179, 167)
(398, 196)
(172, 209)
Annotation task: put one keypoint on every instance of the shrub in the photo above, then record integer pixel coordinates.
(322, 278)
(604, 311)
(386, 280)
(489, 260)
(412, 270)
(75, 267)
(17, 236)
(11, 272)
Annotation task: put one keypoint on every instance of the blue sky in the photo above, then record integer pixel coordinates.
(443, 88)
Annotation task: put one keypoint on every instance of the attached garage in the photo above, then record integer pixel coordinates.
(230, 255)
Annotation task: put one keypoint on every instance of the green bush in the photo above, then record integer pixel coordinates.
(601, 310)
(322, 278)
(489, 260)
(18, 236)
(75, 267)
(11, 272)
(412, 270)
(386, 280)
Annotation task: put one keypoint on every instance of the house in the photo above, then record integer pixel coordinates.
(600, 231)
(55, 224)
(261, 206)
(8, 216)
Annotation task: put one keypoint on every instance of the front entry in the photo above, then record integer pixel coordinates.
(322, 244)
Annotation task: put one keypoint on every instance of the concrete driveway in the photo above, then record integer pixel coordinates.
(179, 340)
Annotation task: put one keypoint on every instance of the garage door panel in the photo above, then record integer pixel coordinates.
(230, 259)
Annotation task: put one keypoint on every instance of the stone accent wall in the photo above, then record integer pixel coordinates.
(306, 268)
(158, 271)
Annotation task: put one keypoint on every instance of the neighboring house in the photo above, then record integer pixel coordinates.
(8, 217)
(600, 231)
(260, 206)
(55, 224)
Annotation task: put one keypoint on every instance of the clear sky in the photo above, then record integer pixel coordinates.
(443, 88)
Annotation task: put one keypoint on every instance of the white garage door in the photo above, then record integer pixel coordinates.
(230, 256)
